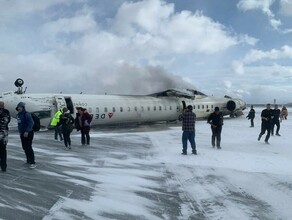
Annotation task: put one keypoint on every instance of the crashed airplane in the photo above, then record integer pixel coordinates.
(122, 109)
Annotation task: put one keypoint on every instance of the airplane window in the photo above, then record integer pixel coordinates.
(90, 110)
(154, 108)
(212, 106)
(148, 108)
(97, 110)
(114, 109)
(129, 109)
(198, 106)
(170, 107)
(194, 107)
(121, 109)
(142, 108)
(207, 106)
(165, 108)
(160, 108)
(135, 108)
(105, 109)
(203, 106)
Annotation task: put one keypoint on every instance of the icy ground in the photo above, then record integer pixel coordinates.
(139, 173)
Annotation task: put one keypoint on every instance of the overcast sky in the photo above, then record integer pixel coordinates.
(242, 48)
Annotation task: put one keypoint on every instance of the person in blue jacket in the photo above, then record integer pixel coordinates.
(25, 124)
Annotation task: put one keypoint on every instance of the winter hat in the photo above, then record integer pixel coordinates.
(21, 104)
(216, 109)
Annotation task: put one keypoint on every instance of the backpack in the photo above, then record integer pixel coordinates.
(36, 122)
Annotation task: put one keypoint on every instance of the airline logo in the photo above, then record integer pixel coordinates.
(110, 115)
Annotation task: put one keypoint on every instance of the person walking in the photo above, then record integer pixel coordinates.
(4, 121)
(216, 121)
(66, 121)
(266, 116)
(56, 124)
(251, 116)
(25, 124)
(284, 113)
(84, 119)
(276, 120)
(188, 118)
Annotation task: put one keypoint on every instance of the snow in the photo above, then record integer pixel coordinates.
(142, 175)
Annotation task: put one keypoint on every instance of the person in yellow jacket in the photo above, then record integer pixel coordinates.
(56, 123)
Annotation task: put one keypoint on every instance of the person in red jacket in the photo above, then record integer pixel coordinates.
(84, 119)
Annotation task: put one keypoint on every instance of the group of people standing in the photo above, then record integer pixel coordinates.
(188, 118)
(270, 118)
(64, 123)
(25, 129)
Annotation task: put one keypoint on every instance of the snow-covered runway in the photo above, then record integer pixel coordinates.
(139, 173)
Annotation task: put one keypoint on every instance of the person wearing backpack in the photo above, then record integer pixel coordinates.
(25, 129)
(67, 123)
(4, 121)
(84, 119)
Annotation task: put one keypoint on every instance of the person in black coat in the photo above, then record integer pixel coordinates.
(216, 121)
(67, 122)
(276, 120)
(251, 116)
(4, 121)
(266, 115)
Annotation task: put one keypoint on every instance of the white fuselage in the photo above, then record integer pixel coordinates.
(118, 109)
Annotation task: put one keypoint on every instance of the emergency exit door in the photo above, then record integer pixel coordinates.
(60, 102)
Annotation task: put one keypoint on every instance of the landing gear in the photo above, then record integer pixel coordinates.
(19, 83)
(236, 114)
(233, 115)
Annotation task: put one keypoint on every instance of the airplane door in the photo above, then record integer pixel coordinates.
(60, 102)
(184, 105)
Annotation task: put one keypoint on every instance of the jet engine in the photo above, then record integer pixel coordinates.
(235, 106)
(231, 105)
